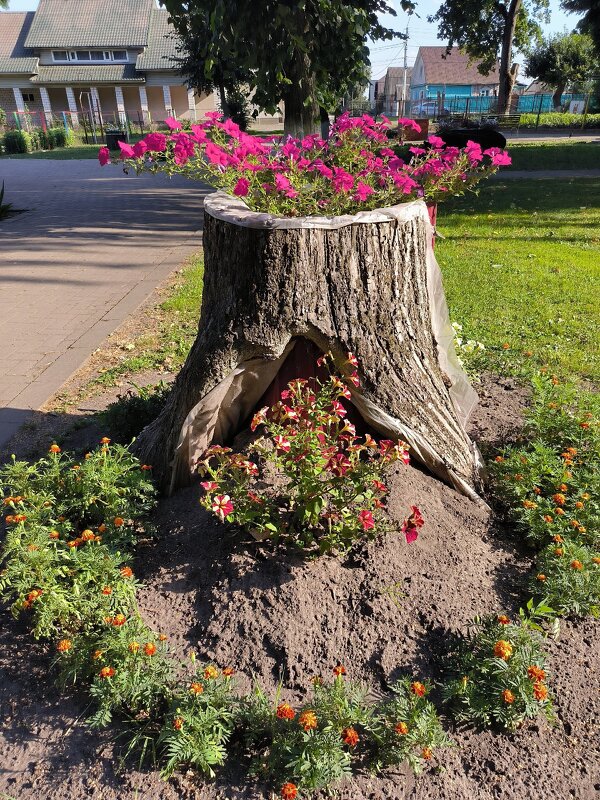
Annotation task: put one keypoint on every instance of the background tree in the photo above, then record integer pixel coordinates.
(561, 60)
(488, 30)
(590, 23)
(306, 53)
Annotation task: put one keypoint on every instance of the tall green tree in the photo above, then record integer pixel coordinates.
(306, 53)
(590, 22)
(489, 30)
(561, 60)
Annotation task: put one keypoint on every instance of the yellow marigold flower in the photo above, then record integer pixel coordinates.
(196, 688)
(178, 723)
(586, 496)
(285, 711)
(426, 753)
(107, 672)
(211, 672)
(579, 504)
(308, 720)
(503, 649)
(88, 535)
(105, 440)
(162, 637)
(64, 645)
(581, 529)
(401, 728)
(149, 649)
(418, 688)
(596, 560)
(54, 535)
(133, 647)
(503, 619)
(97, 654)
(54, 448)
(508, 696)
(529, 504)
(576, 564)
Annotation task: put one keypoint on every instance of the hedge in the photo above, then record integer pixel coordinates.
(558, 120)
(37, 139)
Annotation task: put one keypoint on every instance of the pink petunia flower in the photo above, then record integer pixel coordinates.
(222, 506)
(104, 156)
(242, 187)
(209, 486)
(404, 122)
(363, 190)
(366, 520)
(283, 444)
(157, 142)
(172, 123)
(126, 150)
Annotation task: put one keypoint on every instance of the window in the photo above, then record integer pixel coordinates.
(119, 55)
(60, 55)
(97, 55)
(83, 55)
(28, 97)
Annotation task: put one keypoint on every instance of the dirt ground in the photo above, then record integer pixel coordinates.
(383, 612)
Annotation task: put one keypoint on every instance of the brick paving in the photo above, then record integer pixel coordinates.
(92, 245)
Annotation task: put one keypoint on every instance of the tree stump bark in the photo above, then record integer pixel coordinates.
(368, 284)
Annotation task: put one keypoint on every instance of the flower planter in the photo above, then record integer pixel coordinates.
(486, 137)
(412, 136)
(366, 283)
(114, 137)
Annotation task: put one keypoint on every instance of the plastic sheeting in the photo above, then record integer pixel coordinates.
(222, 410)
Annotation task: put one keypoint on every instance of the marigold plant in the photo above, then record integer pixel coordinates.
(325, 486)
(571, 582)
(354, 170)
(497, 674)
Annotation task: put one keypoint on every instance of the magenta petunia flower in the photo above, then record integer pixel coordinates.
(366, 520)
(104, 156)
(126, 150)
(242, 187)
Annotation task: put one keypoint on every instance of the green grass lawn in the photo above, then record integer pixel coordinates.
(79, 151)
(521, 265)
(554, 155)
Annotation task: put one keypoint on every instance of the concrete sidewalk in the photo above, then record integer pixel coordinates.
(91, 246)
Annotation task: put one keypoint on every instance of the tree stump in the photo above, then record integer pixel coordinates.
(366, 283)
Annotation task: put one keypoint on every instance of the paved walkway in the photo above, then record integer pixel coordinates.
(541, 174)
(92, 245)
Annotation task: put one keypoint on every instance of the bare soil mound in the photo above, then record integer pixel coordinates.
(382, 611)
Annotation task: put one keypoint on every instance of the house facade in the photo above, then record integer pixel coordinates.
(108, 58)
(385, 94)
(450, 78)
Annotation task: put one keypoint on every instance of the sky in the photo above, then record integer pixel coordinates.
(421, 32)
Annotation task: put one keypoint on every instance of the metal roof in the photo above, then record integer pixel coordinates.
(454, 68)
(161, 51)
(90, 23)
(14, 58)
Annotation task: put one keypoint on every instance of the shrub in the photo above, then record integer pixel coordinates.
(60, 137)
(17, 142)
(199, 723)
(497, 674)
(132, 411)
(326, 487)
(560, 120)
(567, 577)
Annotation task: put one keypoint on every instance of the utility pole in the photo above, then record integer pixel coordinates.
(404, 80)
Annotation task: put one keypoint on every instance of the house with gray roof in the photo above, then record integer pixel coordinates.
(109, 58)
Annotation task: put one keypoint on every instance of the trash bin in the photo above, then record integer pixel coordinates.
(114, 137)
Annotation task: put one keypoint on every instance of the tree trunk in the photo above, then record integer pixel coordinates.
(224, 104)
(557, 96)
(352, 284)
(507, 70)
(301, 114)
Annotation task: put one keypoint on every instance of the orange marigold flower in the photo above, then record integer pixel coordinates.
(149, 649)
(350, 737)
(559, 551)
(584, 425)
(107, 672)
(118, 522)
(105, 440)
(32, 547)
(506, 346)
(127, 572)
(285, 711)
(20, 517)
(557, 538)
(426, 753)
(96, 655)
(508, 696)
(308, 720)
(162, 637)
(211, 672)
(289, 791)
(54, 535)
(585, 496)
(75, 543)
(518, 477)
(574, 523)
(401, 728)
(133, 647)
(107, 590)
(559, 512)
(529, 504)
(563, 488)
(579, 504)
(559, 499)
(541, 577)
(576, 564)
(596, 560)
(64, 645)
(503, 619)
(196, 688)
(536, 673)
(178, 723)
(119, 619)
(228, 672)
(537, 490)
(499, 459)
(338, 670)
(145, 467)
(101, 528)
(88, 535)
(418, 689)
(548, 518)
(540, 691)
(581, 529)
(572, 451)
(503, 649)
(54, 448)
